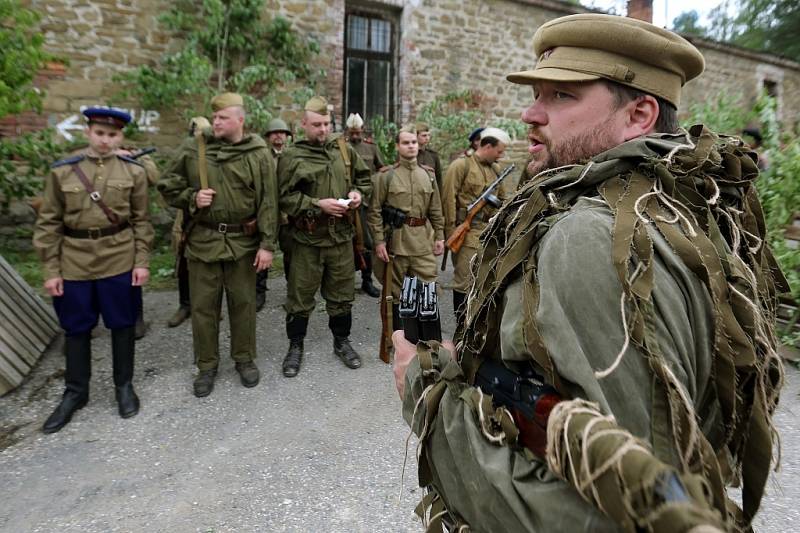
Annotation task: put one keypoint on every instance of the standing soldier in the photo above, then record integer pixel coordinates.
(321, 181)
(93, 236)
(466, 179)
(276, 135)
(371, 156)
(226, 181)
(412, 189)
(428, 157)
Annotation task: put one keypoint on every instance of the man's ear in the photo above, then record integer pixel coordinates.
(641, 115)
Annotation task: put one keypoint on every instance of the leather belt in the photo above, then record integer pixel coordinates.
(414, 221)
(222, 227)
(96, 233)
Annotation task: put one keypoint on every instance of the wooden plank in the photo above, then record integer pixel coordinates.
(21, 327)
(20, 292)
(15, 283)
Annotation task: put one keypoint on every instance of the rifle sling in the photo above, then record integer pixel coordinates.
(94, 195)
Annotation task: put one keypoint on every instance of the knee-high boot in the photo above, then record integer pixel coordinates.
(78, 355)
(122, 350)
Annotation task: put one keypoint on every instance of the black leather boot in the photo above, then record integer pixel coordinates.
(122, 350)
(296, 327)
(340, 327)
(367, 286)
(78, 354)
(293, 359)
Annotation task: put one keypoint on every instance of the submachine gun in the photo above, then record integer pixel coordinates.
(456, 239)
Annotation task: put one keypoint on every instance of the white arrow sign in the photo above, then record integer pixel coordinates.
(67, 124)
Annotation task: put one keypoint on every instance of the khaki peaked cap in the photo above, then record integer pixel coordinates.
(588, 47)
(221, 101)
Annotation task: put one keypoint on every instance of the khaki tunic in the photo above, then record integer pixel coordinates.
(412, 189)
(122, 184)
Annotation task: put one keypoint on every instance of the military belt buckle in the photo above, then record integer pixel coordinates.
(222, 227)
(94, 233)
(95, 196)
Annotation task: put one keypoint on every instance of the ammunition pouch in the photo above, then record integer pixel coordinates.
(419, 310)
(393, 217)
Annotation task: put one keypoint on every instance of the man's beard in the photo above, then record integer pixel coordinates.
(578, 148)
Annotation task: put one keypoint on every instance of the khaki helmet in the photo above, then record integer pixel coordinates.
(275, 125)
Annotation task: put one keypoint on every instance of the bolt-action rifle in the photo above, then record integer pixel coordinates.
(456, 239)
(392, 218)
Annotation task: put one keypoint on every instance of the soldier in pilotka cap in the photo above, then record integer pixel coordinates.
(93, 235)
(225, 180)
(427, 155)
(322, 179)
(617, 367)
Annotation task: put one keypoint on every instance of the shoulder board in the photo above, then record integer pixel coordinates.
(129, 160)
(68, 161)
(396, 165)
(428, 168)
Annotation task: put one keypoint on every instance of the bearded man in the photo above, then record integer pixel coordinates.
(617, 366)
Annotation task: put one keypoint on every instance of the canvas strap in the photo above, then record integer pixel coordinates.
(94, 195)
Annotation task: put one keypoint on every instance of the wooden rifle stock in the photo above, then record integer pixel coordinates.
(386, 309)
(456, 239)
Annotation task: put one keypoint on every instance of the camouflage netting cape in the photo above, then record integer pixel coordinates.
(695, 192)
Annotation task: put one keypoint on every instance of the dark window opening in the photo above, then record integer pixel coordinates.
(369, 66)
(771, 87)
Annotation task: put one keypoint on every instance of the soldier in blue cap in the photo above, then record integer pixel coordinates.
(93, 236)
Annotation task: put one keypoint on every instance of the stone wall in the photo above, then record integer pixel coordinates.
(443, 46)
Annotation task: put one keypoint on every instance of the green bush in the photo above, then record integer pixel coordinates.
(452, 118)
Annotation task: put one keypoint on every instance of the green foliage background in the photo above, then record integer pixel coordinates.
(228, 46)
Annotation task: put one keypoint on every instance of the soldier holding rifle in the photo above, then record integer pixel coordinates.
(626, 296)
(466, 179)
(225, 180)
(406, 205)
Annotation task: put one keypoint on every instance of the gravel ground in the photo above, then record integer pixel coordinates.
(320, 452)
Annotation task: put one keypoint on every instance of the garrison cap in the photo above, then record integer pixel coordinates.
(422, 127)
(408, 128)
(628, 51)
(116, 118)
(221, 101)
(318, 105)
(277, 125)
